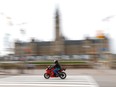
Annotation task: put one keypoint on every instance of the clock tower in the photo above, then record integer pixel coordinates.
(58, 44)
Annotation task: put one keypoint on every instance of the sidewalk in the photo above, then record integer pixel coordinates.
(68, 71)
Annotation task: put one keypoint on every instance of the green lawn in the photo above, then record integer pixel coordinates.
(62, 62)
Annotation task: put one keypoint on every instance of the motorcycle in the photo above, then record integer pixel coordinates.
(49, 73)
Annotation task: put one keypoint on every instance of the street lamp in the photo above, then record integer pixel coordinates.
(108, 20)
(7, 42)
(22, 31)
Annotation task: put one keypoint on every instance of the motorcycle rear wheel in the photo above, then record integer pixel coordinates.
(62, 75)
(46, 76)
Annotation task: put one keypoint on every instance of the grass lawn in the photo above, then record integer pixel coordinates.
(61, 62)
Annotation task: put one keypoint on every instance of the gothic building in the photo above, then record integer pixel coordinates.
(62, 46)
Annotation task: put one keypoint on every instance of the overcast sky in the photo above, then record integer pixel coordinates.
(78, 18)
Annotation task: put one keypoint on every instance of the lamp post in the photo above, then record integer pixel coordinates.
(22, 50)
(8, 23)
(108, 20)
(22, 31)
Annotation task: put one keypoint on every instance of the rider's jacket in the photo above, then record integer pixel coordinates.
(57, 65)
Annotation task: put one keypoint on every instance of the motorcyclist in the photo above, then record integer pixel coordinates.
(57, 67)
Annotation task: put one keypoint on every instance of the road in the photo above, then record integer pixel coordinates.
(40, 81)
(103, 77)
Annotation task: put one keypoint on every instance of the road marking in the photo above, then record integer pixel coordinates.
(49, 85)
(70, 81)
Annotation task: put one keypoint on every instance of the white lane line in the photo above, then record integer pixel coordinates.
(47, 85)
(79, 83)
(91, 80)
(70, 81)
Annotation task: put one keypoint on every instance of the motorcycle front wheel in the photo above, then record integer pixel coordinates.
(46, 76)
(62, 75)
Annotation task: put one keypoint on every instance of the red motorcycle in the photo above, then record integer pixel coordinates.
(49, 73)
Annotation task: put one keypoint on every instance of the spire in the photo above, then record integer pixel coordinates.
(57, 24)
(57, 12)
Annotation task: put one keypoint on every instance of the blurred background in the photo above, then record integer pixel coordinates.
(80, 34)
(34, 33)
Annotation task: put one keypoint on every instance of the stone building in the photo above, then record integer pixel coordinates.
(61, 46)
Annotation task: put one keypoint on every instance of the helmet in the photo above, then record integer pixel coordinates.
(55, 61)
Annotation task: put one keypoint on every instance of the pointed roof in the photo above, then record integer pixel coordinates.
(57, 11)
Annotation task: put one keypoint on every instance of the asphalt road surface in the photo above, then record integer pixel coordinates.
(40, 81)
(104, 77)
